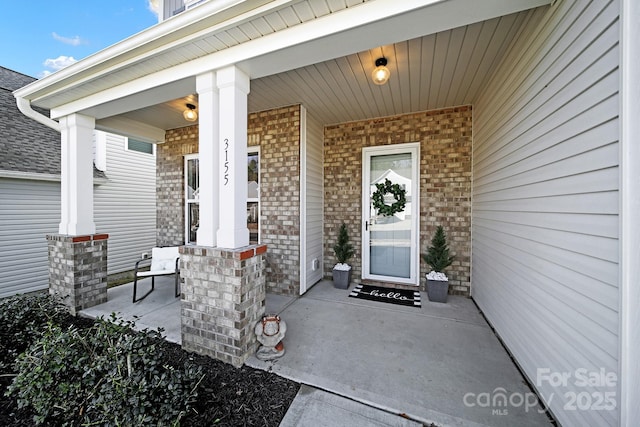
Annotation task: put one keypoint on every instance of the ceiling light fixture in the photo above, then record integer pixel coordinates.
(381, 73)
(190, 114)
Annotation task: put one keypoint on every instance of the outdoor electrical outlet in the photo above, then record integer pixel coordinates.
(145, 255)
(315, 264)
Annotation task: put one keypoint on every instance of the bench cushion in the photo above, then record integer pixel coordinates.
(164, 259)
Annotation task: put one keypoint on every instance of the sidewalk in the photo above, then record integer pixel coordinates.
(317, 408)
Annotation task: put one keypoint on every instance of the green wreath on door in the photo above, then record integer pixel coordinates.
(399, 194)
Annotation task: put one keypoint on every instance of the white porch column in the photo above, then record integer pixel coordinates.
(76, 189)
(233, 85)
(208, 156)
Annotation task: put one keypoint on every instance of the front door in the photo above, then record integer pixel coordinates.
(390, 234)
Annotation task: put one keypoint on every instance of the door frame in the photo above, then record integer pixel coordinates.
(367, 153)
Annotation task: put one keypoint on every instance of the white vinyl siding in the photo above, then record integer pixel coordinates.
(545, 199)
(125, 207)
(312, 212)
(29, 210)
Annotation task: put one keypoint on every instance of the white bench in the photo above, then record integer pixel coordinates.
(164, 262)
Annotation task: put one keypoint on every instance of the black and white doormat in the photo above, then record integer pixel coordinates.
(393, 296)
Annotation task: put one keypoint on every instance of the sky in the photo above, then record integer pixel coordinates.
(39, 37)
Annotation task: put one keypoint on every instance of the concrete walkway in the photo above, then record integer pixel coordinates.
(365, 363)
(161, 309)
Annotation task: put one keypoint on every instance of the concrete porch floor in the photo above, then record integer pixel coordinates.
(366, 362)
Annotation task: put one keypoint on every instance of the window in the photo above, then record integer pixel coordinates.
(140, 146)
(192, 199)
(192, 195)
(253, 195)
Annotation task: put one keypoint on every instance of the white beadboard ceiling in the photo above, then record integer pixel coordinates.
(445, 69)
(440, 70)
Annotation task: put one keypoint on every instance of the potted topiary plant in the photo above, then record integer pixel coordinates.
(343, 251)
(438, 258)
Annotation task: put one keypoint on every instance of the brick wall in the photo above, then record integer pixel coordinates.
(170, 184)
(445, 138)
(445, 183)
(278, 135)
(223, 297)
(78, 269)
(277, 132)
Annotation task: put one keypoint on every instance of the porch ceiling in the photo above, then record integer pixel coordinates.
(444, 69)
(448, 68)
(316, 52)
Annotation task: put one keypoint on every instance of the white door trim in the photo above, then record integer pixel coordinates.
(367, 153)
(303, 200)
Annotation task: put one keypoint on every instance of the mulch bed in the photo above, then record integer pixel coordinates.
(226, 397)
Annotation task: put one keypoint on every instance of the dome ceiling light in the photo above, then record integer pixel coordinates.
(190, 114)
(381, 73)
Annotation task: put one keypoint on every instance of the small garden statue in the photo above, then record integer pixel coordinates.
(270, 333)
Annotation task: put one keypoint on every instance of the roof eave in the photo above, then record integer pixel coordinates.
(164, 33)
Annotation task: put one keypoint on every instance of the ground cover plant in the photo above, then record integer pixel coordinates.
(56, 369)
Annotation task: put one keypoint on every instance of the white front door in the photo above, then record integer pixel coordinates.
(390, 249)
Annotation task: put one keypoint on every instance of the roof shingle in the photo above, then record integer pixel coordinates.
(25, 145)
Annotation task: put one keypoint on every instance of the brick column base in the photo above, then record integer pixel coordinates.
(78, 269)
(223, 296)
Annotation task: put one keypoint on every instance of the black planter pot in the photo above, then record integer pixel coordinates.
(341, 278)
(437, 290)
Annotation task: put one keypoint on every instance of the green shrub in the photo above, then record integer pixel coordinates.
(106, 375)
(437, 255)
(23, 319)
(343, 249)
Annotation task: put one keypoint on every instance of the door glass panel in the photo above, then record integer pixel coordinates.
(390, 236)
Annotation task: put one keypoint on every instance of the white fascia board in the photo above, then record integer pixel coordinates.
(131, 128)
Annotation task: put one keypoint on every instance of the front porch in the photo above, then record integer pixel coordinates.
(440, 363)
